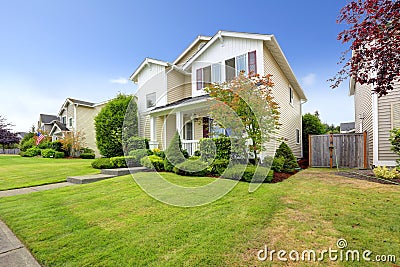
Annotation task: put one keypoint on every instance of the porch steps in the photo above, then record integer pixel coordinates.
(105, 174)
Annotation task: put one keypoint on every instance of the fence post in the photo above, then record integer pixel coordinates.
(365, 150)
(309, 151)
(331, 151)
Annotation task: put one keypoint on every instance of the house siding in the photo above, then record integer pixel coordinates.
(190, 53)
(160, 131)
(385, 124)
(290, 115)
(177, 87)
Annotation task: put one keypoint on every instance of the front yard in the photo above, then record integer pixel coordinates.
(19, 172)
(114, 223)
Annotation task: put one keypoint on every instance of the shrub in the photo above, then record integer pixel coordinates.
(31, 152)
(159, 153)
(191, 168)
(194, 158)
(45, 145)
(48, 153)
(197, 153)
(218, 166)
(153, 162)
(59, 155)
(57, 146)
(102, 163)
(27, 143)
(247, 172)
(218, 148)
(122, 162)
(137, 155)
(276, 163)
(134, 143)
(87, 156)
(386, 173)
(290, 163)
(395, 142)
(110, 125)
(173, 154)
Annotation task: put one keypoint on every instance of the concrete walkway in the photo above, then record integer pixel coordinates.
(12, 252)
(27, 190)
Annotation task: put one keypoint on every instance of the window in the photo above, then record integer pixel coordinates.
(199, 79)
(297, 136)
(252, 63)
(206, 76)
(230, 69)
(70, 122)
(396, 115)
(64, 120)
(151, 100)
(216, 73)
(241, 64)
(291, 95)
(188, 131)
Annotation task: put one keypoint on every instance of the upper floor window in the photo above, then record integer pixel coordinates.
(151, 100)
(203, 77)
(297, 136)
(290, 95)
(64, 120)
(245, 62)
(216, 73)
(70, 122)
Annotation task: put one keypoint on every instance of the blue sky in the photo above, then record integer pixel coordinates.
(51, 50)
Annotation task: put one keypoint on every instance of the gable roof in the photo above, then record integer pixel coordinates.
(347, 126)
(272, 45)
(47, 119)
(199, 38)
(58, 125)
(81, 102)
(145, 63)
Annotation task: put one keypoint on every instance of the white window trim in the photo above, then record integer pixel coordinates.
(245, 55)
(298, 141)
(219, 64)
(291, 95)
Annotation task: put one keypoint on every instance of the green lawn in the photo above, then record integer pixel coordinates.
(18, 172)
(114, 223)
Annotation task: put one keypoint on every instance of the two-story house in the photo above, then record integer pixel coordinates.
(376, 116)
(78, 116)
(45, 122)
(171, 96)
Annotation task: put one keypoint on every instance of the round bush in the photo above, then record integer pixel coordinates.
(31, 152)
(59, 155)
(153, 162)
(48, 153)
(102, 163)
(137, 155)
(87, 156)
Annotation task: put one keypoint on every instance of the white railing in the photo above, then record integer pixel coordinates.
(153, 144)
(190, 145)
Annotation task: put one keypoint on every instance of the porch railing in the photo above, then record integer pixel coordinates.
(190, 145)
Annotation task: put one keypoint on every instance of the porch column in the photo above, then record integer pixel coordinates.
(153, 138)
(179, 122)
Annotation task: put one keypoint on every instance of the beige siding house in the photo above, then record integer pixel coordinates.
(377, 116)
(171, 96)
(78, 116)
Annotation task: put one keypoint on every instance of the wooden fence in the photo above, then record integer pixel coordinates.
(14, 151)
(343, 150)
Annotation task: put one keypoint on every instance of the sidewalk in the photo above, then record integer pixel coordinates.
(27, 190)
(12, 252)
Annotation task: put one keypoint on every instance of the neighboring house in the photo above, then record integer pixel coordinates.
(348, 127)
(376, 116)
(171, 96)
(45, 122)
(78, 116)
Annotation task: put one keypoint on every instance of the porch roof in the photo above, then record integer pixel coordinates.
(180, 103)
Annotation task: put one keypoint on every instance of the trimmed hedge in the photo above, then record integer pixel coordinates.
(191, 168)
(31, 152)
(153, 162)
(137, 155)
(102, 163)
(218, 166)
(48, 153)
(87, 156)
(173, 154)
(221, 148)
(59, 155)
(135, 143)
(247, 172)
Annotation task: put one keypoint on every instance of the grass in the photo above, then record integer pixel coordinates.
(19, 172)
(114, 223)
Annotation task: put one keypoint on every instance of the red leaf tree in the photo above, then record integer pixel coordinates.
(374, 37)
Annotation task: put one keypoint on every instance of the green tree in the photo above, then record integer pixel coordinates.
(395, 142)
(285, 152)
(311, 125)
(331, 128)
(246, 106)
(173, 154)
(109, 125)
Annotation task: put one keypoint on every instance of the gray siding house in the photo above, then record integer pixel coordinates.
(376, 116)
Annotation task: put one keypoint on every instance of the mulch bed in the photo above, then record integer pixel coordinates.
(367, 175)
(280, 176)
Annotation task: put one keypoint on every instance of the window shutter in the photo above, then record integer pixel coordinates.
(396, 115)
(199, 79)
(252, 63)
